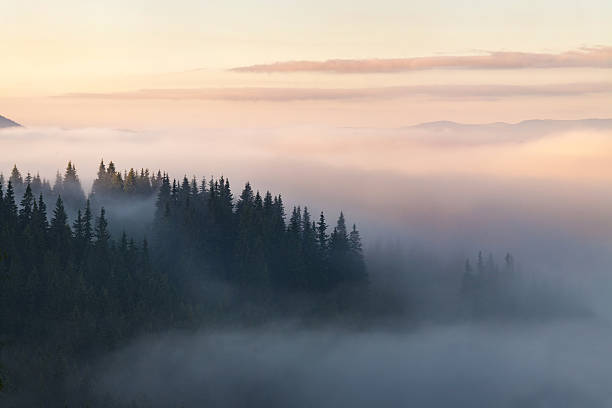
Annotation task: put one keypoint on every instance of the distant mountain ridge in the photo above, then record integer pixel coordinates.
(6, 122)
(531, 123)
(449, 132)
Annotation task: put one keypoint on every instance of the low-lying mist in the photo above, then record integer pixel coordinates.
(556, 365)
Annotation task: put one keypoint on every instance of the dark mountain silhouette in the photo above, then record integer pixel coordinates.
(5, 122)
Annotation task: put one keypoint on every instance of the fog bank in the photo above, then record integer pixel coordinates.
(562, 365)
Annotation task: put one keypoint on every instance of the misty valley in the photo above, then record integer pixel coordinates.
(151, 291)
(305, 204)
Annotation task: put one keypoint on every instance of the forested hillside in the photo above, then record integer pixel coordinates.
(69, 289)
(73, 285)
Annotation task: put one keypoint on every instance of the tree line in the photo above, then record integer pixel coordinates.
(249, 242)
(69, 290)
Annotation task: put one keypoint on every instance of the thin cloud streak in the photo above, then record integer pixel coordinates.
(255, 94)
(595, 57)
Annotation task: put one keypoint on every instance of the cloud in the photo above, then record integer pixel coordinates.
(599, 57)
(313, 94)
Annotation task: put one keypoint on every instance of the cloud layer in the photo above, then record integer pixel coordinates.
(310, 94)
(599, 57)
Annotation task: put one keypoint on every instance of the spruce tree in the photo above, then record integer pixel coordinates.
(59, 221)
(27, 203)
(78, 227)
(322, 233)
(60, 233)
(358, 272)
(102, 234)
(87, 224)
(42, 214)
(16, 178)
(9, 203)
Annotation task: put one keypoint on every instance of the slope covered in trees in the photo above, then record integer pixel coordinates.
(249, 242)
(73, 285)
(70, 289)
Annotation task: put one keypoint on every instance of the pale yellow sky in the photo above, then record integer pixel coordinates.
(51, 49)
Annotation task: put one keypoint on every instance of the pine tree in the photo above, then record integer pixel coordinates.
(37, 184)
(1, 200)
(43, 224)
(102, 234)
(310, 251)
(355, 240)
(72, 192)
(16, 178)
(59, 221)
(358, 267)
(100, 184)
(194, 187)
(130, 182)
(60, 233)
(322, 233)
(58, 186)
(27, 203)
(78, 227)
(341, 228)
(87, 224)
(163, 199)
(70, 176)
(246, 199)
(295, 222)
(9, 202)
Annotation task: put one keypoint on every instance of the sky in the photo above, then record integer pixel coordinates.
(210, 64)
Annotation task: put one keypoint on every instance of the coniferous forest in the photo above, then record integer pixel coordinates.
(73, 285)
(76, 283)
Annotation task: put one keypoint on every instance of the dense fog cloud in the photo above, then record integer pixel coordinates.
(561, 364)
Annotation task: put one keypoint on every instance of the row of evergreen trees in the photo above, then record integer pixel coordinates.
(110, 184)
(249, 242)
(202, 227)
(66, 185)
(53, 276)
(489, 289)
(68, 293)
(109, 187)
(69, 289)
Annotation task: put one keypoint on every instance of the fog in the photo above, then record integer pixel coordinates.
(560, 365)
(439, 193)
(538, 189)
